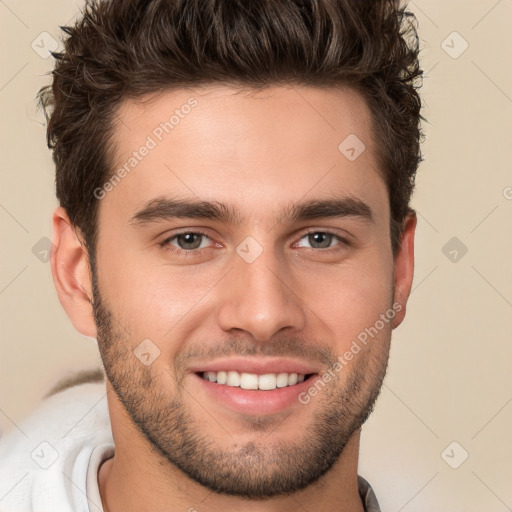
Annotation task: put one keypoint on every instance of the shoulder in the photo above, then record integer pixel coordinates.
(81, 377)
(44, 460)
(367, 495)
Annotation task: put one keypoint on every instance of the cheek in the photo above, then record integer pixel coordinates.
(351, 297)
(154, 301)
(161, 302)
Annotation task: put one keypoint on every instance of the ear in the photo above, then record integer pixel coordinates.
(71, 273)
(404, 268)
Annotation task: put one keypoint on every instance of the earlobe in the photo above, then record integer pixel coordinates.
(71, 273)
(404, 268)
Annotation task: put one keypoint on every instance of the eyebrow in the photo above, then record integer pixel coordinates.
(163, 209)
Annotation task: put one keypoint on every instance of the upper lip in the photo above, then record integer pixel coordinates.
(259, 366)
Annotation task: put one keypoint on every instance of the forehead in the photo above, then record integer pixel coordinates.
(251, 148)
(212, 112)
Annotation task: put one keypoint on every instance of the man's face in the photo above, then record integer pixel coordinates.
(177, 296)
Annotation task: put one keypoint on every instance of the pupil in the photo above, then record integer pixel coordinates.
(321, 238)
(189, 239)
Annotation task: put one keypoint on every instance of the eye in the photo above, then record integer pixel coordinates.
(189, 243)
(323, 240)
(186, 242)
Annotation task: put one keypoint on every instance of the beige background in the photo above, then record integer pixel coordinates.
(449, 377)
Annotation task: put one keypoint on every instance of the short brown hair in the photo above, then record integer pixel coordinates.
(121, 49)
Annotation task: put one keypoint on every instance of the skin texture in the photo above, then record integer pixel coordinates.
(302, 298)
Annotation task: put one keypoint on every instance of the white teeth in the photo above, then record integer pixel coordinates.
(267, 381)
(244, 380)
(282, 380)
(248, 381)
(233, 379)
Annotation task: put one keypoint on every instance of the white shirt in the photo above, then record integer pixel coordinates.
(50, 462)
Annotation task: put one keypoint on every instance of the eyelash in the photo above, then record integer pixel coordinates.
(165, 244)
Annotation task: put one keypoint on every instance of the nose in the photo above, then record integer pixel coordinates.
(259, 298)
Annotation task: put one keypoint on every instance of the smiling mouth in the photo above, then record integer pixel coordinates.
(253, 381)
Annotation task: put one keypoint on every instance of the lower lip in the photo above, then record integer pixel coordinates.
(255, 401)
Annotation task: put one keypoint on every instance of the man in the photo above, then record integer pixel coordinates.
(234, 229)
